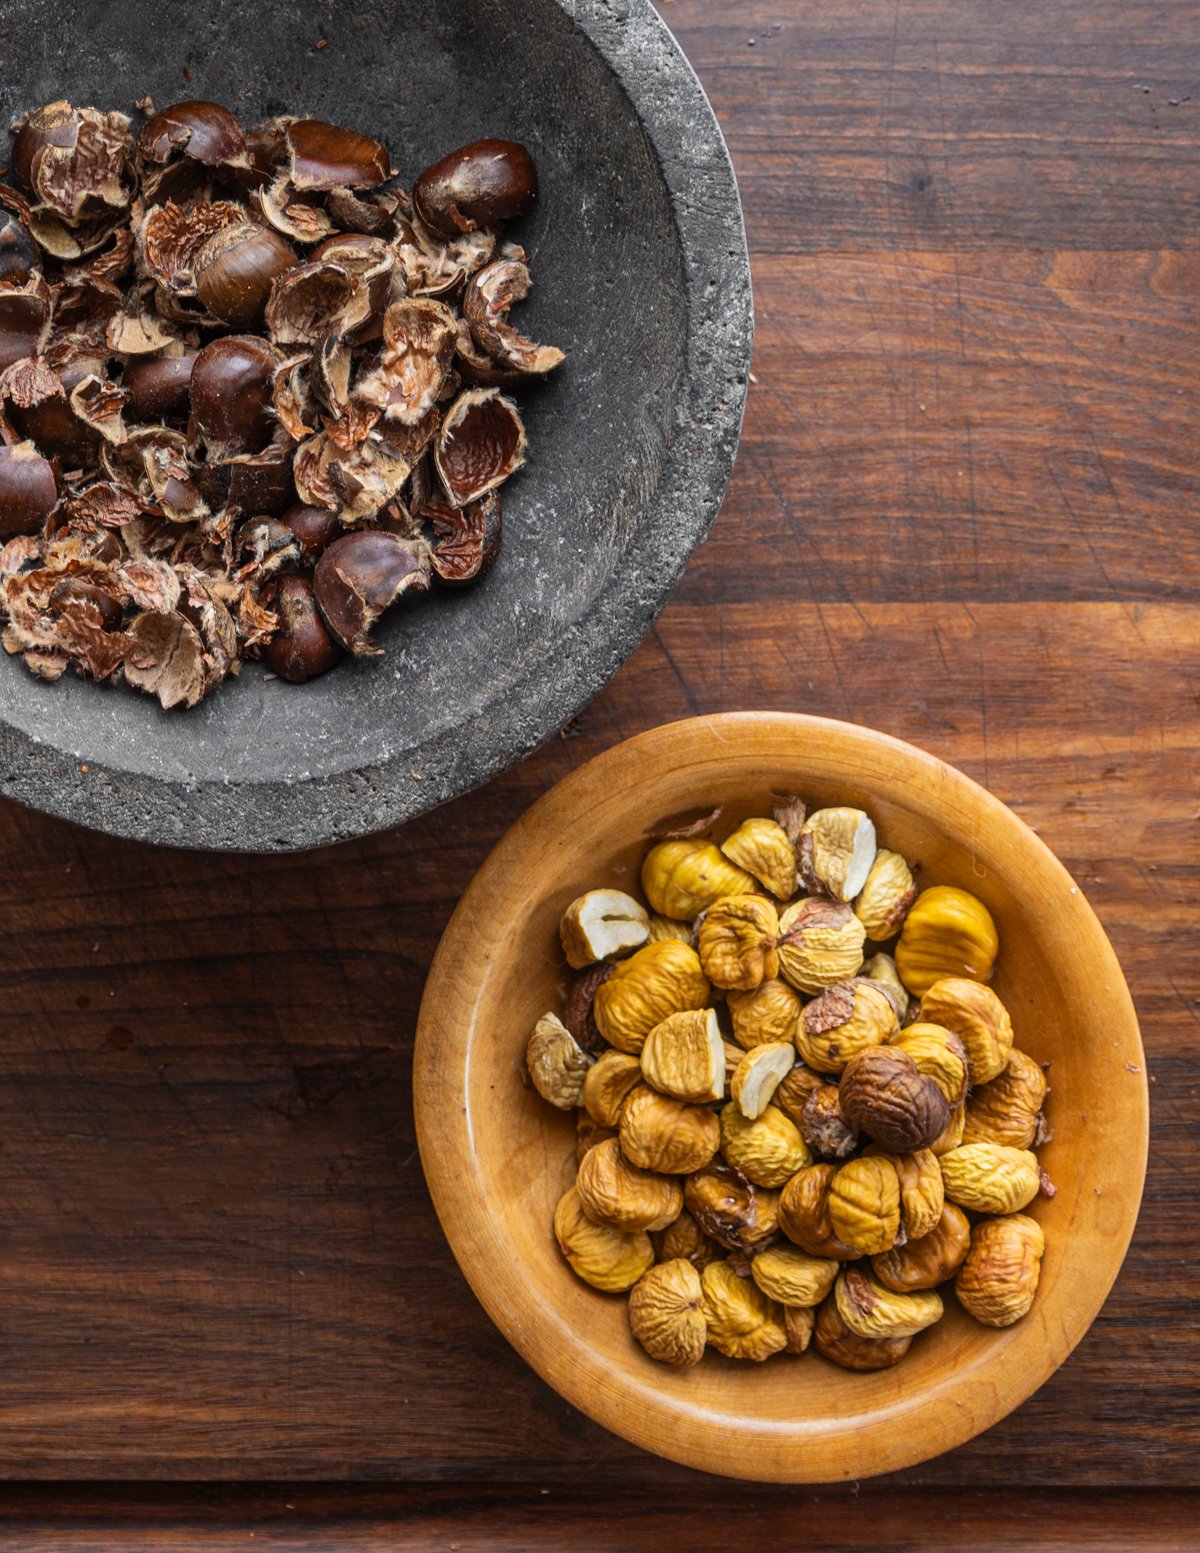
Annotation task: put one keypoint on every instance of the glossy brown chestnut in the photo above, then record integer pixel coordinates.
(200, 131)
(235, 268)
(261, 483)
(302, 648)
(53, 426)
(18, 254)
(361, 575)
(74, 590)
(328, 156)
(28, 490)
(477, 185)
(231, 395)
(22, 318)
(158, 386)
(314, 527)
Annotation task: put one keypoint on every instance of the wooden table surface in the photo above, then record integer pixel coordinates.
(964, 512)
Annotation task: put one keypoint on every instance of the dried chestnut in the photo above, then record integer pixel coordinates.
(361, 575)
(158, 385)
(28, 490)
(231, 388)
(302, 647)
(314, 527)
(235, 270)
(200, 131)
(477, 185)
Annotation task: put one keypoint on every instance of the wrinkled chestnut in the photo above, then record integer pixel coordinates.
(28, 490)
(361, 575)
(74, 590)
(231, 395)
(18, 255)
(200, 131)
(235, 270)
(328, 156)
(314, 527)
(477, 185)
(158, 386)
(302, 648)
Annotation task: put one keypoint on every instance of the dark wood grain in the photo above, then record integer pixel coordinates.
(964, 513)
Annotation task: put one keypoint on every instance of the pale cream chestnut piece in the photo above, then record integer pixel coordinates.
(837, 848)
(684, 1056)
(762, 848)
(759, 1074)
(886, 896)
(558, 1065)
(602, 925)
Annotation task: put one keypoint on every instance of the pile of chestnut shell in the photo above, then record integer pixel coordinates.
(252, 393)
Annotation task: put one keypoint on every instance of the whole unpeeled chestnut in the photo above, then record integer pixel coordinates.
(18, 256)
(158, 385)
(314, 527)
(28, 490)
(236, 268)
(477, 185)
(231, 395)
(302, 648)
(361, 575)
(200, 131)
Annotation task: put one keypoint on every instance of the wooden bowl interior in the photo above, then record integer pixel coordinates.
(501, 967)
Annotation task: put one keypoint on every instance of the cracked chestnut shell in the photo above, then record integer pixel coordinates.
(329, 156)
(18, 256)
(231, 387)
(361, 575)
(302, 648)
(476, 185)
(200, 131)
(28, 490)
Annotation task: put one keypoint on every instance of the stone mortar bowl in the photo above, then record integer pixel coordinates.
(641, 276)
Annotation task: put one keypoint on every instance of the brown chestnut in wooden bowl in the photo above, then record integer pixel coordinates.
(498, 1159)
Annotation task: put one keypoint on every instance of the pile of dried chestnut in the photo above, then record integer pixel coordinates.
(251, 391)
(786, 1134)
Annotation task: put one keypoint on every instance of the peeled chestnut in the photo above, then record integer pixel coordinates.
(477, 185)
(361, 575)
(200, 131)
(28, 490)
(314, 527)
(302, 648)
(235, 268)
(231, 396)
(328, 156)
(18, 255)
(158, 385)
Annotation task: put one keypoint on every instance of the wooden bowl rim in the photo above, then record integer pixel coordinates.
(936, 1419)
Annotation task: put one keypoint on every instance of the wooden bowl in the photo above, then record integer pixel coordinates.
(498, 1158)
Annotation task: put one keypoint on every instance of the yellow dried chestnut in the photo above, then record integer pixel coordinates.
(736, 942)
(603, 1257)
(951, 1134)
(588, 1133)
(845, 1020)
(835, 852)
(948, 932)
(881, 969)
(612, 1077)
(940, 1055)
(924, 1263)
(557, 1063)
(682, 878)
(804, 1214)
(864, 1206)
(724, 1204)
(615, 1193)
(685, 1238)
(997, 1282)
(798, 1322)
(662, 928)
(922, 1195)
(821, 943)
(871, 1309)
(762, 848)
(684, 1056)
(886, 896)
(602, 925)
(742, 1322)
(768, 1151)
(668, 1136)
(883, 1093)
(990, 1178)
(793, 1277)
(976, 1015)
(666, 1314)
(1008, 1107)
(658, 980)
(765, 1015)
(834, 1341)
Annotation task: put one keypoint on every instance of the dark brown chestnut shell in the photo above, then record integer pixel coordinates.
(477, 185)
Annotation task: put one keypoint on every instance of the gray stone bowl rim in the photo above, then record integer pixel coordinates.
(664, 92)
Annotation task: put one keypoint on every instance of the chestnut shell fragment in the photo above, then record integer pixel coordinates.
(200, 131)
(476, 185)
(329, 156)
(481, 442)
(158, 386)
(361, 575)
